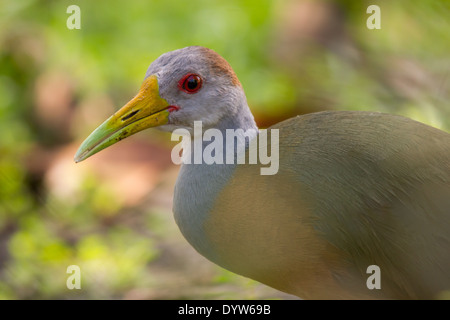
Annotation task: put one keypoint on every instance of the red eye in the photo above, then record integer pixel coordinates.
(190, 83)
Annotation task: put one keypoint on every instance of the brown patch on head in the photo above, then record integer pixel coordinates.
(220, 65)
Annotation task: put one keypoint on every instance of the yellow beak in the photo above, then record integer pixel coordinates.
(147, 109)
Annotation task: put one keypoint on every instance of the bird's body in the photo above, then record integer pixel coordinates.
(354, 189)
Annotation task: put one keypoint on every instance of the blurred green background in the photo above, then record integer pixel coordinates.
(111, 215)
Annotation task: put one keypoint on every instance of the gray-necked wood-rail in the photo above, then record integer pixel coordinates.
(352, 189)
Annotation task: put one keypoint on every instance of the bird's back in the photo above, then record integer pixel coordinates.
(353, 189)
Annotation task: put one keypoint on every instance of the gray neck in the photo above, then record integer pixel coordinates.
(198, 184)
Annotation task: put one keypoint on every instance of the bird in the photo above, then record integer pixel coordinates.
(359, 207)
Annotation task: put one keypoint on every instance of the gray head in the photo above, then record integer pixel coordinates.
(180, 87)
(201, 84)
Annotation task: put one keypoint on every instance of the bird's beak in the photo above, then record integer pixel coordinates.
(147, 109)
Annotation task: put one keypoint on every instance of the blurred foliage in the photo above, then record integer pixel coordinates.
(57, 84)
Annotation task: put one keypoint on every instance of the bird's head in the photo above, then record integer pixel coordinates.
(180, 87)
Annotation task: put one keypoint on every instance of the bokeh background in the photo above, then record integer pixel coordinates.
(111, 215)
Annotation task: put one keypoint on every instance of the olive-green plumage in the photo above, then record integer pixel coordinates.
(354, 189)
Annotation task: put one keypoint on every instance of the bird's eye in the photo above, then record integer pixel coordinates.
(190, 83)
